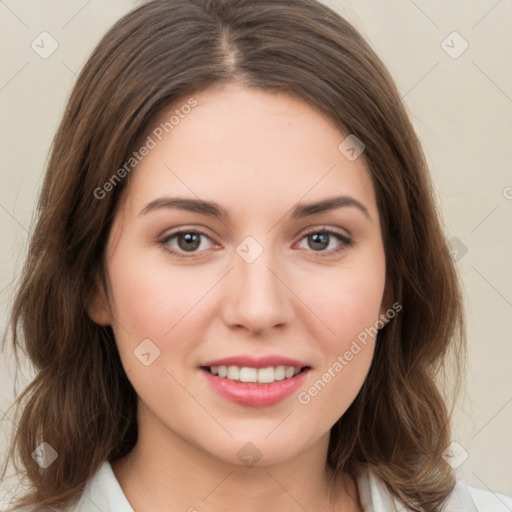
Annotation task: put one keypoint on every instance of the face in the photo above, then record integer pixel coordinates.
(254, 282)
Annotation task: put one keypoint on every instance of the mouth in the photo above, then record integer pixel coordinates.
(255, 382)
(267, 375)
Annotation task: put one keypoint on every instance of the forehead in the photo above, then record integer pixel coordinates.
(249, 150)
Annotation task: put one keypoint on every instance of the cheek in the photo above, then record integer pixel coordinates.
(348, 302)
(351, 311)
(151, 297)
(330, 393)
(163, 303)
(348, 299)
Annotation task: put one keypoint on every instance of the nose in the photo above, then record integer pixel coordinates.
(257, 296)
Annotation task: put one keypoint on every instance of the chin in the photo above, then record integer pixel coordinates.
(259, 451)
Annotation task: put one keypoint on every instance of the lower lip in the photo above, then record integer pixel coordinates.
(255, 394)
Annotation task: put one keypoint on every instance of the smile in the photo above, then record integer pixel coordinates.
(250, 374)
(255, 382)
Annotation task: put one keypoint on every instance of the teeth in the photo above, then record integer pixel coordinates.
(261, 375)
(233, 372)
(247, 374)
(265, 375)
(279, 373)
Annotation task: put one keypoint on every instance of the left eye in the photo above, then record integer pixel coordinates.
(189, 241)
(320, 240)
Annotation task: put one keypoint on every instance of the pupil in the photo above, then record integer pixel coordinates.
(189, 237)
(316, 239)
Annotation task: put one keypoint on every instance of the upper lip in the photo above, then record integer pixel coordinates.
(256, 362)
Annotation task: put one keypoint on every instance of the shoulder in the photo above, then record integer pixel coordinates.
(465, 497)
(375, 496)
(102, 492)
(488, 501)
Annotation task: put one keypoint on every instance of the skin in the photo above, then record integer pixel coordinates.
(257, 154)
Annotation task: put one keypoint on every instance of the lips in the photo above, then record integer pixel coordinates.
(256, 382)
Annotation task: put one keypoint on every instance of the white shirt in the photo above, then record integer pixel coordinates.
(104, 494)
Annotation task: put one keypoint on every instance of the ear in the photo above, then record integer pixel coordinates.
(98, 307)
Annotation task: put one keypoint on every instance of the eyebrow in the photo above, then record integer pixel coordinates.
(212, 209)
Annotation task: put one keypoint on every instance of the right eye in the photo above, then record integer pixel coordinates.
(188, 241)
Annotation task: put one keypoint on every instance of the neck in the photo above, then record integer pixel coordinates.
(166, 472)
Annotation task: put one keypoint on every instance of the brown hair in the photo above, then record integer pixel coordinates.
(81, 401)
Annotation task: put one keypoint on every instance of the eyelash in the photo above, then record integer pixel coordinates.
(346, 242)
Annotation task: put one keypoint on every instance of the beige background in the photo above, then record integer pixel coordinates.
(461, 108)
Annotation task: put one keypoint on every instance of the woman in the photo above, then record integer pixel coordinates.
(238, 291)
